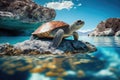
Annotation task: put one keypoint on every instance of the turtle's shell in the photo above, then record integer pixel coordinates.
(46, 29)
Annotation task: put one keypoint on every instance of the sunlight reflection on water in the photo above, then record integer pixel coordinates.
(102, 41)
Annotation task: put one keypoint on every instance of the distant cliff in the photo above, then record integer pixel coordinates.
(18, 15)
(110, 27)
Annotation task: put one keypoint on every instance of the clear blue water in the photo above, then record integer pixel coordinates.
(108, 52)
(12, 40)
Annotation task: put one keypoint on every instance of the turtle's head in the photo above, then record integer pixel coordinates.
(77, 25)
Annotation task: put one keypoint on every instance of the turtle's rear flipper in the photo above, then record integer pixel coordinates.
(57, 39)
(33, 37)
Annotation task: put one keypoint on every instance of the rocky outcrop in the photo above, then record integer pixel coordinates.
(33, 47)
(23, 15)
(117, 33)
(110, 27)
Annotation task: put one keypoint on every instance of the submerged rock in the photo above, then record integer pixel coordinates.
(110, 27)
(34, 47)
(56, 68)
(23, 15)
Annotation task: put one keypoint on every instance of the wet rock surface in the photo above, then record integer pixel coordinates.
(110, 27)
(36, 47)
(23, 15)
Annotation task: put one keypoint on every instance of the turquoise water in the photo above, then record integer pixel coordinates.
(12, 40)
(105, 65)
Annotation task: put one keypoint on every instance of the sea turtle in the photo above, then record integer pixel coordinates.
(57, 30)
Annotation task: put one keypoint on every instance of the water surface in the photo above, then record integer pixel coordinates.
(99, 65)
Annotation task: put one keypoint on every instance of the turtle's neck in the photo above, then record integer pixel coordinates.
(72, 28)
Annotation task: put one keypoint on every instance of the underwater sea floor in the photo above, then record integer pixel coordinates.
(99, 65)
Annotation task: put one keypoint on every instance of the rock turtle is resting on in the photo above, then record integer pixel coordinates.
(57, 30)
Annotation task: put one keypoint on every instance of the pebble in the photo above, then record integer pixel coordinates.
(51, 74)
(37, 69)
(80, 73)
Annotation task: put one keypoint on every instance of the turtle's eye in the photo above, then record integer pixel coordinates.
(79, 21)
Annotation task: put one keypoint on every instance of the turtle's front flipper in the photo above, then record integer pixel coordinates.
(58, 38)
(75, 35)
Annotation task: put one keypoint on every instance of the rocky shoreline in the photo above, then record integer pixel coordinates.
(109, 27)
(38, 47)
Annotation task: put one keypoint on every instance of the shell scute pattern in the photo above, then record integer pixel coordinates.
(46, 29)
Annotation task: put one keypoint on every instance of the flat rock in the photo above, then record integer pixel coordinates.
(42, 47)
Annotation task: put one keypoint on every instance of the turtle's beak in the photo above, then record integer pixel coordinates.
(80, 22)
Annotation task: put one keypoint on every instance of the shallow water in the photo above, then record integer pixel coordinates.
(102, 64)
